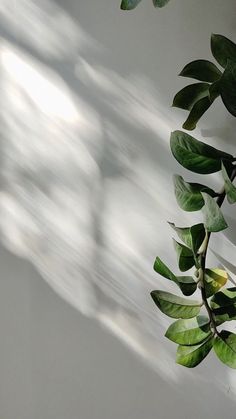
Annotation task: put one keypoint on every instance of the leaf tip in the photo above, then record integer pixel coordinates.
(214, 36)
(188, 126)
(153, 296)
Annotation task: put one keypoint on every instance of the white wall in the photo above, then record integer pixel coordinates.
(86, 191)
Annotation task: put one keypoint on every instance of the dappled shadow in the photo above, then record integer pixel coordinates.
(85, 183)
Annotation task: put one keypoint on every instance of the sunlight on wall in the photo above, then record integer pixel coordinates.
(84, 224)
(48, 97)
(49, 174)
(85, 184)
(45, 27)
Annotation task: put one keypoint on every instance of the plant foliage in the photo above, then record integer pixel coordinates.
(213, 82)
(196, 331)
(131, 4)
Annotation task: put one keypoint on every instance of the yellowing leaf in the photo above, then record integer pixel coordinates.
(214, 280)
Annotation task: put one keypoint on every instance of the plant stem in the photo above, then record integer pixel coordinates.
(202, 261)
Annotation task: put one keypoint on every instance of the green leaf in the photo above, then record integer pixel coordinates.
(184, 256)
(129, 4)
(214, 220)
(199, 108)
(188, 195)
(162, 269)
(174, 306)
(223, 305)
(189, 95)
(224, 298)
(190, 331)
(230, 189)
(225, 348)
(160, 3)
(214, 280)
(222, 49)
(214, 90)
(191, 236)
(184, 234)
(185, 283)
(195, 155)
(202, 70)
(228, 87)
(191, 356)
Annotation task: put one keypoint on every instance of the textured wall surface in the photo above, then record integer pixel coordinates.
(85, 193)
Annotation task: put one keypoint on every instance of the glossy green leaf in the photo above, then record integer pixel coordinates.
(223, 49)
(230, 189)
(190, 331)
(129, 4)
(214, 280)
(185, 283)
(174, 306)
(213, 218)
(191, 356)
(195, 155)
(223, 305)
(197, 111)
(188, 195)
(189, 95)
(191, 236)
(163, 270)
(202, 70)
(184, 256)
(228, 87)
(160, 3)
(225, 348)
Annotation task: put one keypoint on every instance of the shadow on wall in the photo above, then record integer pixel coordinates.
(85, 184)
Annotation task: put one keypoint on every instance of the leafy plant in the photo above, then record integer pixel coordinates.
(198, 97)
(194, 332)
(131, 4)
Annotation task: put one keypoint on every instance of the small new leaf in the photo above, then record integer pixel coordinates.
(174, 306)
(214, 280)
(202, 70)
(188, 195)
(191, 356)
(190, 331)
(222, 49)
(214, 220)
(189, 95)
(195, 155)
(225, 348)
(230, 189)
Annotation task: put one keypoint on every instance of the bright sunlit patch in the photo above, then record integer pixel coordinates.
(48, 96)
